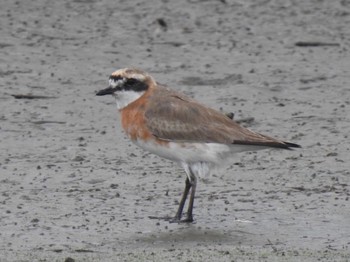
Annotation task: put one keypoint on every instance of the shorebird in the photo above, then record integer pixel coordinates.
(176, 127)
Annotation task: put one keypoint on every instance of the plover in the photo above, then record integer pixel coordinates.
(176, 127)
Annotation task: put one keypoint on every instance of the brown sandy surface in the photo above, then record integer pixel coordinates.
(71, 185)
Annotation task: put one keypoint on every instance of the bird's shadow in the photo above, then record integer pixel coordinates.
(186, 235)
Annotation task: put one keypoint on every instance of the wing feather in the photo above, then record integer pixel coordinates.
(174, 117)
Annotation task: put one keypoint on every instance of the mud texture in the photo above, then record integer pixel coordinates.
(73, 188)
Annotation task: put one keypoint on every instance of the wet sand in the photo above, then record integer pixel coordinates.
(72, 186)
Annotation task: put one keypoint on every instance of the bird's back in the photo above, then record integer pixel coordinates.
(172, 116)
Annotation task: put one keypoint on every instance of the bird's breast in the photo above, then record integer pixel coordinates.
(134, 124)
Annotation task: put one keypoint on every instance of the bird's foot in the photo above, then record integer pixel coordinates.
(175, 219)
(188, 219)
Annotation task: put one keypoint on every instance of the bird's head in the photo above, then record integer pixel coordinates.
(127, 85)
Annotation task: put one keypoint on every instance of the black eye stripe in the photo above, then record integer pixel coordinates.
(130, 84)
(131, 81)
(135, 85)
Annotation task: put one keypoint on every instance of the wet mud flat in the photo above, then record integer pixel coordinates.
(73, 187)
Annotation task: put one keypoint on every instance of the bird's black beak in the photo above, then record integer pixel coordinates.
(107, 91)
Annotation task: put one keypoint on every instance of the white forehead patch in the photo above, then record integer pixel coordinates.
(114, 83)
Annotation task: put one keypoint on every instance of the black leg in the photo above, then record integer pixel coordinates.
(178, 215)
(189, 217)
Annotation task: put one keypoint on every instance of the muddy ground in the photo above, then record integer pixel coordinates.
(71, 184)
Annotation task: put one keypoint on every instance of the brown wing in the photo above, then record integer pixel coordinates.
(174, 117)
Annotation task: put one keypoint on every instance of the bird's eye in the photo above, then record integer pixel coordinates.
(135, 84)
(131, 82)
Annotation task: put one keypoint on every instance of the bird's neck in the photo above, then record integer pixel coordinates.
(124, 98)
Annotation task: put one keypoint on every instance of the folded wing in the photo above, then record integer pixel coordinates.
(174, 117)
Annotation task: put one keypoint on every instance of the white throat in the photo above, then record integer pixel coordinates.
(123, 98)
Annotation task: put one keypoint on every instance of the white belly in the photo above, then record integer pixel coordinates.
(184, 152)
